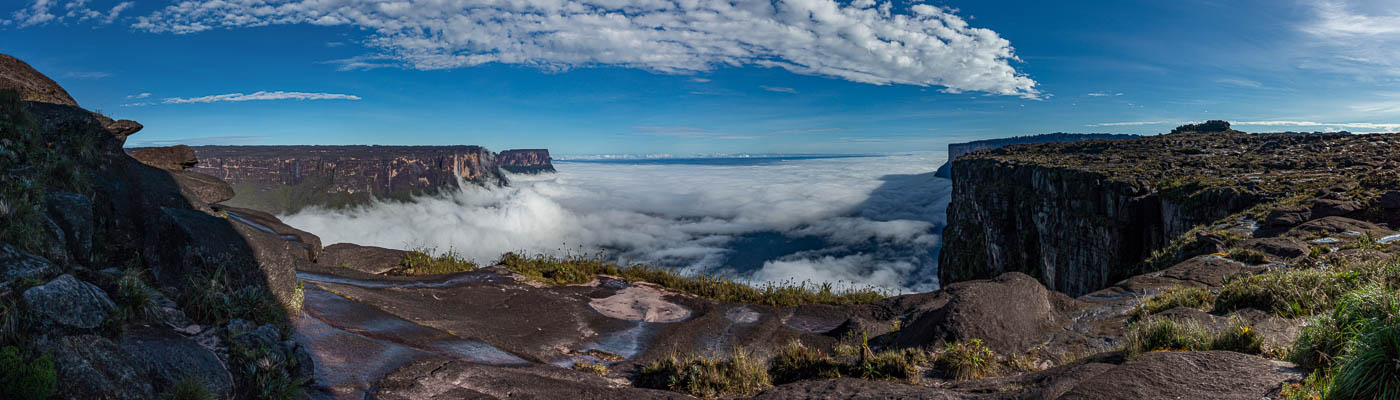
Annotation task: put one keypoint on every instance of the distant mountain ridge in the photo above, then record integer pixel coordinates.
(958, 149)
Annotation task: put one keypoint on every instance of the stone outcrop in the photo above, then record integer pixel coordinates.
(1080, 216)
(525, 161)
(956, 150)
(284, 179)
(368, 259)
(31, 85)
(176, 157)
(67, 302)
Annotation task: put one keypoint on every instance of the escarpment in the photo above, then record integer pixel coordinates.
(1081, 216)
(284, 179)
(525, 161)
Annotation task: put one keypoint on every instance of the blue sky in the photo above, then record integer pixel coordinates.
(695, 76)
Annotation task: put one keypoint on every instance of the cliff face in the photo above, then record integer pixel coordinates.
(283, 179)
(956, 150)
(525, 161)
(1081, 216)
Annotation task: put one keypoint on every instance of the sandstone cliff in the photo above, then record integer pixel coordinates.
(284, 179)
(1080, 216)
(956, 150)
(525, 161)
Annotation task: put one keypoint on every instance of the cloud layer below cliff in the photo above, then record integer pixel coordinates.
(866, 220)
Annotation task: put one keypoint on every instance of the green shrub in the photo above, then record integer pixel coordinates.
(1247, 256)
(190, 388)
(581, 269)
(26, 380)
(1178, 296)
(707, 377)
(1371, 367)
(795, 362)
(1160, 333)
(591, 367)
(965, 360)
(1239, 338)
(427, 261)
(1324, 339)
(1311, 388)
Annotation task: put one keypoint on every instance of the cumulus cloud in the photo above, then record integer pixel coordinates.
(261, 96)
(1375, 127)
(867, 220)
(42, 12)
(861, 41)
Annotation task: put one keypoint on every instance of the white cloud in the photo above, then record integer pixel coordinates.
(258, 96)
(861, 41)
(779, 89)
(1241, 82)
(42, 12)
(699, 80)
(1357, 38)
(1104, 94)
(681, 131)
(88, 75)
(1373, 127)
(866, 220)
(138, 96)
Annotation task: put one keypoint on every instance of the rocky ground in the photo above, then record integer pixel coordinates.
(139, 284)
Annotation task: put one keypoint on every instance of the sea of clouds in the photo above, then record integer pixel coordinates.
(856, 220)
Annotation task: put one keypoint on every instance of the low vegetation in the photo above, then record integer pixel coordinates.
(30, 165)
(591, 367)
(1292, 292)
(966, 360)
(1247, 256)
(706, 377)
(26, 378)
(211, 298)
(428, 261)
(582, 269)
(795, 362)
(1177, 334)
(1351, 350)
(1180, 296)
(190, 388)
(135, 298)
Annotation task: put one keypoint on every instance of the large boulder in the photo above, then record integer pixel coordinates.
(1189, 375)
(197, 242)
(68, 302)
(178, 157)
(71, 213)
(31, 85)
(204, 188)
(370, 259)
(166, 358)
(93, 367)
(1012, 313)
(15, 265)
(269, 223)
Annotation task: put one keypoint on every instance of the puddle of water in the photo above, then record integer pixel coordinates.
(1389, 239)
(1326, 240)
(348, 364)
(626, 343)
(290, 238)
(447, 282)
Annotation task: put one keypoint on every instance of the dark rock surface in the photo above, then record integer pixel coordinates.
(72, 215)
(1188, 375)
(1011, 313)
(205, 188)
(369, 259)
(165, 358)
(847, 388)
(438, 378)
(18, 76)
(176, 157)
(93, 367)
(1278, 247)
(16, 265)
(67, 302)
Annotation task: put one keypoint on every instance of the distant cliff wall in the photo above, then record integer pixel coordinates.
(958, 149)
(1076, 228)
(525, 161)
(284, 179)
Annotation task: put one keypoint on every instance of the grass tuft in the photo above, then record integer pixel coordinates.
(1247, 256)
(1169, 334)
(965, 360)
(1238, 337)
(427, 261)
(1371, 367)
(706, 377)
(190, 388)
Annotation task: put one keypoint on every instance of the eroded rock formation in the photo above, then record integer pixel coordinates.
(525, 161)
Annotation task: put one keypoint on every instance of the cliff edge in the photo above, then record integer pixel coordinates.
(1080, 216)
(956, 150)
(525, 161)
